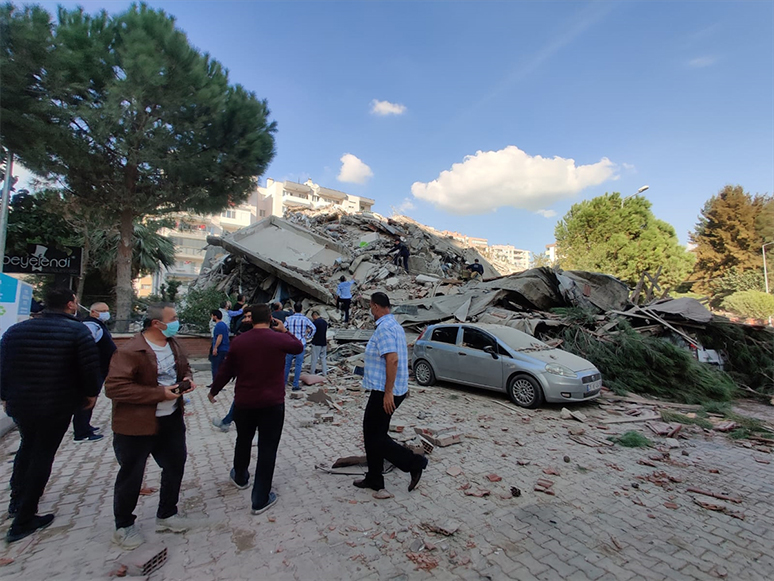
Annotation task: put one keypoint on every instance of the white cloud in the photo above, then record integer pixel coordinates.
(383, 108)
(510, 177)
(628, 167)
(546, 213)
(701, 62)
(404, 207)
(353, 170)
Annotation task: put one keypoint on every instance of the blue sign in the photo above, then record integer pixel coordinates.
(8, 286)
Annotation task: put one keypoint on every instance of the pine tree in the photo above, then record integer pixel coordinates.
(728, 236)
(129, 117)
(622, 238)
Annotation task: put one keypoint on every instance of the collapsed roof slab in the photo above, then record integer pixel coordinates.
(286, 242)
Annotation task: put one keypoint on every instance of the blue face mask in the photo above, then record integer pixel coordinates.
(172, 329)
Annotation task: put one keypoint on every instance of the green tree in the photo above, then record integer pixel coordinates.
(129, 117)
(732, 227)
(750, 303)
(539, 259)
(622, 238)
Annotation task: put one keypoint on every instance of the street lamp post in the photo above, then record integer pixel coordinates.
(637, 193)
(765, 271)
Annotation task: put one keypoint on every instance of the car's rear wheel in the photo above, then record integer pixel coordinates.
(424, 373)
(525, 391)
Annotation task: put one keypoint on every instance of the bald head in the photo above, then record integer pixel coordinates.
(97, 310)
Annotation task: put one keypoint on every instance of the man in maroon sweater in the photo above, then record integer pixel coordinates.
(257, 359)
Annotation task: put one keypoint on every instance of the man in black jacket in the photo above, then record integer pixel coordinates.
(49, 368)
(99, 314)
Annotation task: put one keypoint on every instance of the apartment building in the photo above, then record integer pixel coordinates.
(551, 252)
(471, 241)
(516, 257)
(278, 196)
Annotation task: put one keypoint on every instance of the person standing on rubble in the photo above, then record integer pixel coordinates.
(255, 359)
(344, 296)
(386, 377)
(476, 270)
(302, 329)
(319, 343)
(401, 254)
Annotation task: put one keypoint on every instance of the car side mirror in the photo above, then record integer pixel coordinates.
(489, 349)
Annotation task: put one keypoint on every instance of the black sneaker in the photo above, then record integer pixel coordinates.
(17, 533)
(90, 438)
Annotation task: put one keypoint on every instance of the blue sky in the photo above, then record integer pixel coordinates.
(564, 101)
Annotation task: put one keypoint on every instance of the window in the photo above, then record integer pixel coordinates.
(445, 335)
(476, 339)
(231, 214)
(262, 213)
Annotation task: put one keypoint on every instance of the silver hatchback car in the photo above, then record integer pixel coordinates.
(503, 359)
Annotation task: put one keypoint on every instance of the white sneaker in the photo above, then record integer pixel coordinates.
(173, 524)
(128, 538)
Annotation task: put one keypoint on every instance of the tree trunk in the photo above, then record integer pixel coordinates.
(124, 291)
(84, 264)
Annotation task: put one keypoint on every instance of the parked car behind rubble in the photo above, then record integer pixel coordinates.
(503, 359)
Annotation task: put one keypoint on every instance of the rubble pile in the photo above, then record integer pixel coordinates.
(657, 347)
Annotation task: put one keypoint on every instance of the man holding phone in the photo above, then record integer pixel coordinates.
(147, 378)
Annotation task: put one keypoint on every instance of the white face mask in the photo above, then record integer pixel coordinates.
(104, 317)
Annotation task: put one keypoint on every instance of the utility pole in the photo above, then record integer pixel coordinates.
(5, 203)
(765, 271)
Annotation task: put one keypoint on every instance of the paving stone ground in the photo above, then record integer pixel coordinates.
(597, 525)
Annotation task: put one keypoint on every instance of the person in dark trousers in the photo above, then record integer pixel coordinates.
(401, 254)
(220, 342)
(224, 425)
(277, 312)
(99, 315)
(49, 368)
(476, 270)
(303, 329)
(386, 377)
(319, 343)
(147, 379)
(236, 321)
(257, 361)
(344, 296)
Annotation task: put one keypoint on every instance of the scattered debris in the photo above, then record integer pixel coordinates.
(544, 486)
(454, 471)
(494, 478)
(715, 495)
(515, 492)
(424, 561)
(551, 471)
(447, 528)
(479, 493)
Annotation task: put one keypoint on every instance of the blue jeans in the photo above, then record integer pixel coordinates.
(230, 415)
(297, 373)
(215, 361)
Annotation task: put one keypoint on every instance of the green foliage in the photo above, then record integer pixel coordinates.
(631, 439)
(170, 290)
(622, 238)
(750, 303)
(194, 312)
(735, 281)
(31, 221)
(748, 353)
(641, 364)
(576, 316)
(732, 227)
(128, 116)
(539, 259)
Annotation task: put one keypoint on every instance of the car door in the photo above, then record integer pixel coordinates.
(441, 351)
(476, 366)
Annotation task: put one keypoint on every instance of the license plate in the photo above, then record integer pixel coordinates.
(594, 386)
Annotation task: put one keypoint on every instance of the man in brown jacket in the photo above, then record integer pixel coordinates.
(144, 383)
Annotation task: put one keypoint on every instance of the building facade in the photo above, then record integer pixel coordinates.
(277, 197)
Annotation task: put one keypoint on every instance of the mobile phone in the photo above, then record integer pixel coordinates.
(183, 386)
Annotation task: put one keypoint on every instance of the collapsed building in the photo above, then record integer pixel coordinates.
(302, 256)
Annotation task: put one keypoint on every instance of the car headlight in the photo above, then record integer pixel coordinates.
(557, 369)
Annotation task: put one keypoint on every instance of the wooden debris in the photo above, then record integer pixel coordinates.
(715, 495)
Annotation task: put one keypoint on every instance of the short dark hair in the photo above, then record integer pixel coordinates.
(380, 299)
(298, 307)
(315, 313)
(259, 313)
(475, 260)
(343, 278)
(217, 314)
(155, 312)
(57, 298)
(276, 306)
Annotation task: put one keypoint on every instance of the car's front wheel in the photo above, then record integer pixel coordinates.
(525, 391)
(424, 373)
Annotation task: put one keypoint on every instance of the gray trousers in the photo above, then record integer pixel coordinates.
(319, 351)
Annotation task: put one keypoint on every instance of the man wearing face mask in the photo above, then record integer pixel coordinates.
(99, 315)
(147, 378)
(48, 369)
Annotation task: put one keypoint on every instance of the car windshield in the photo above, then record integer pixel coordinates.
(517, 340)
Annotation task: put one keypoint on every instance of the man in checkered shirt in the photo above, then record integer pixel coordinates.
(302, 328)
(386, 377)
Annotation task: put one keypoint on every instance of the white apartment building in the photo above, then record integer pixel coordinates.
(277, 196)
(516, 257)
(551, 252)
